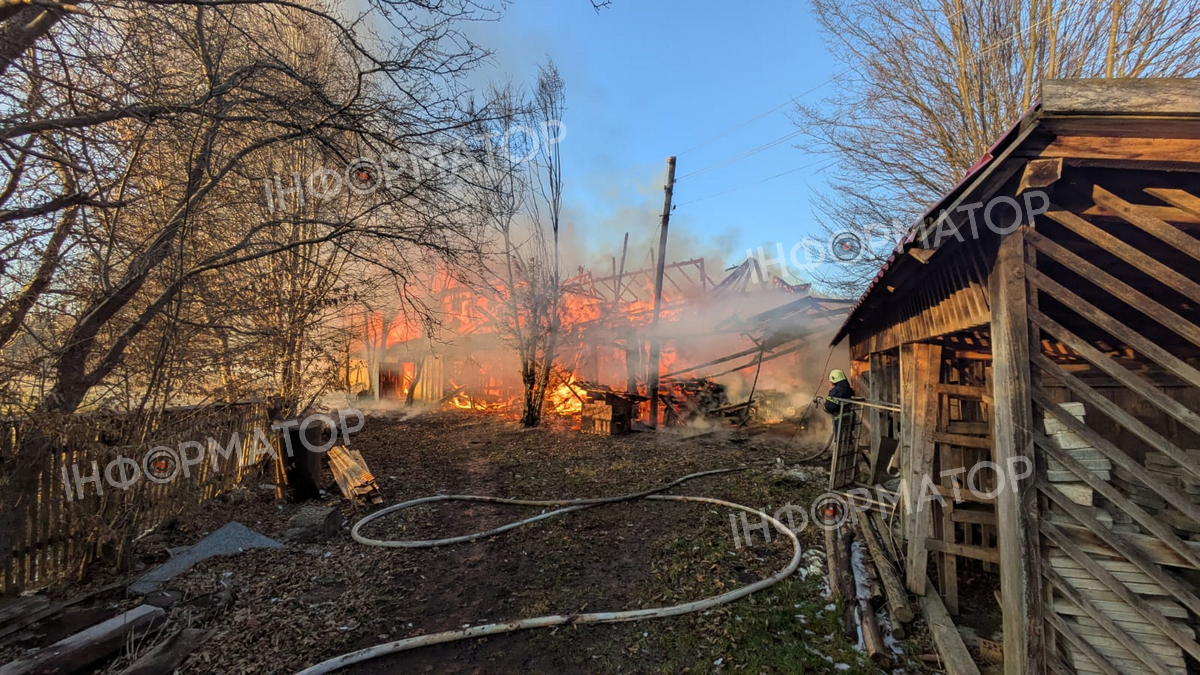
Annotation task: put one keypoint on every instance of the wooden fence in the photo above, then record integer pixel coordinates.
(56, 524)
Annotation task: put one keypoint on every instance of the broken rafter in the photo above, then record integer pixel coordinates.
(755, 362)
(716, 362)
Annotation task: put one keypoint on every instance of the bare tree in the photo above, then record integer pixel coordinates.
(521, 189)
(146, 146)
(928, 86)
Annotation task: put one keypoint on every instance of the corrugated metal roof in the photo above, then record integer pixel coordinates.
(898, 253)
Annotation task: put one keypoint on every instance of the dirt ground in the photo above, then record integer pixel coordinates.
(299, 605)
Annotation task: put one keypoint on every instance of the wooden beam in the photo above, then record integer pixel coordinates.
(1112, 494)
(956, 660)
(889, 575)
(963, 390)
(1082, 645)
(1152, 547)
(963, 550)
(1115, 328)
(1125, 639)
(874, 416)
(841, 579)
(1118, 414)
(1180, 199)
(1171, 150)
(1140, 216)
(170, 653)
(1149, 265)
(1178, 591)
(1016, 505)
(963, 440)
(1131, 296)
(1129, 96)
(1118, 372)
(77, 652)
(919, 367)
(1165, 213)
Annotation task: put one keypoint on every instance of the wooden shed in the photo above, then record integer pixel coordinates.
(1049, 308)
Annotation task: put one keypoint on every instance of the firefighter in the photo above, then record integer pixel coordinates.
(841, 389)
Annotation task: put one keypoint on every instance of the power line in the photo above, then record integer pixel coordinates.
(744, 155)
(762, 180)
(735, 127)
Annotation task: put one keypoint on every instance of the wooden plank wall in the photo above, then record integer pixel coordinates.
(1121, 514)
(57, 537)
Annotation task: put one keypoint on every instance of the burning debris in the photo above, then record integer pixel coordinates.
(602, 366)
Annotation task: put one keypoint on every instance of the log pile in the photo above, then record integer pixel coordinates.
(870, 524)
(861, 589)
(352, 475)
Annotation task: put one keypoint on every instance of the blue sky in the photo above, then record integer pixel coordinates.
(650, 78)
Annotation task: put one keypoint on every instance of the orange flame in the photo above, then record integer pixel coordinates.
(567, 398)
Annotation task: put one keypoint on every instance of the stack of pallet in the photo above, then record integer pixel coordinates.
(1144, 634)
(1095, 603)
(1162, 467)
(1081, 451)
(1138, 493)
(352, 475)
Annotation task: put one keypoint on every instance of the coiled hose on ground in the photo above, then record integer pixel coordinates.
(568, 505)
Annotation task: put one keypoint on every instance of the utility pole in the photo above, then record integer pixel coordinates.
(655, 344)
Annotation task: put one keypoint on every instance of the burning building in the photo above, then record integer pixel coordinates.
(749, 345)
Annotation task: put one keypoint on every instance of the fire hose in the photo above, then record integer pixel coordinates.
(568, 505)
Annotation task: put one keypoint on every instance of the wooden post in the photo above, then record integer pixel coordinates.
(619, 283)
(1016, 505)
(655, 343)
(920, 365)
(956, 660)
(874, 415)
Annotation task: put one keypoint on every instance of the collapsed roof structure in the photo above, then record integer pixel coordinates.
(725, 329)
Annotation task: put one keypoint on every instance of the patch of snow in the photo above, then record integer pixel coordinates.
(885, 625)
(857, 563)
(817, 653)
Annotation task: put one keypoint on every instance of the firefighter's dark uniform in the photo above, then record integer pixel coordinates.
(841, 390)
